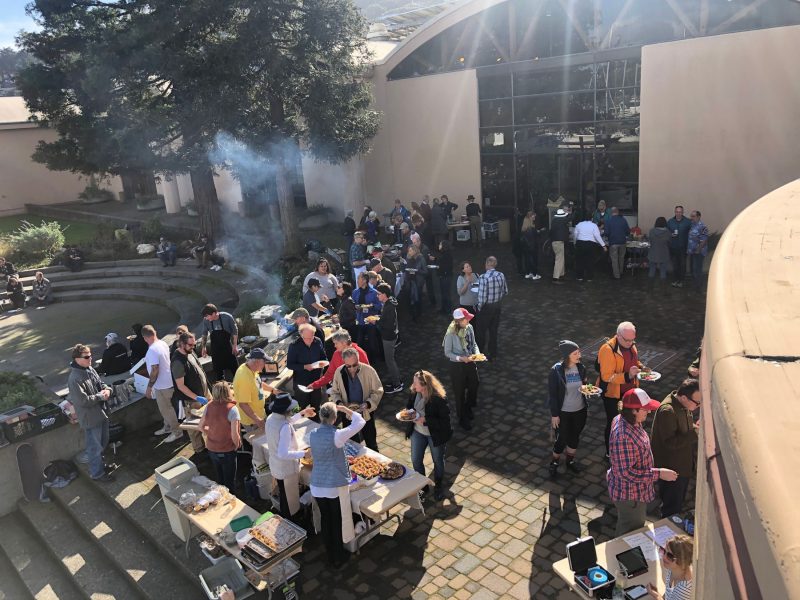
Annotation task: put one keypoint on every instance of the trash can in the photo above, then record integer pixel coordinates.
(169, 476)
(227, 572)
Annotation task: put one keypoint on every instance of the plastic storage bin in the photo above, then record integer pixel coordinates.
(228, 572)
(169, 476)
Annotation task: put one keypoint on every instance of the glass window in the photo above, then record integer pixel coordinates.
(495, 112)
(618, 103)
(542, 29)
(549, 138)
(617, 167)
(577, 78)
(500, 192)
(555, 108)
(496, 140)
(494, 86)
(497, 166)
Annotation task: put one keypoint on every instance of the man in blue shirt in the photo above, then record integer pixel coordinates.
(358, 254)
(697, 248)
(306, 358)
(679, 227)
(367, 305)
(617, 230)
(492, 288)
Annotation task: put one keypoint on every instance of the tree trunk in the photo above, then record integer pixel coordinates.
(291, 234)
(205, 197)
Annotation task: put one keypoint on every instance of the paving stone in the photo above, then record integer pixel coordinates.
(466, 564)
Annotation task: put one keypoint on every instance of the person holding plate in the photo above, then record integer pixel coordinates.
(284, 450)
(306, 358)
(431, 426)
(460, 347)
(567, 405)
(358, 384)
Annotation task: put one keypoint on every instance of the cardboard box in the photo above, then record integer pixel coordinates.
(140, 376)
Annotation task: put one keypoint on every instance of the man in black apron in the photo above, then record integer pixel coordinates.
(220, 329)
(189, 382)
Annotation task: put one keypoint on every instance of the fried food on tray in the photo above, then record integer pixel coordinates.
(408, 413)
(393, 470)
(478, 357)
(276, 533)
(366, 467)
(590, 390)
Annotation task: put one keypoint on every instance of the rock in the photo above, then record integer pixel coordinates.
(145, 249)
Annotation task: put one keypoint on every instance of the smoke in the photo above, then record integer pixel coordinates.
(254, 239)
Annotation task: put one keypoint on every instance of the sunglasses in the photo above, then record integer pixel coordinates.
(86, 356)
(351, 366)
(666, 553)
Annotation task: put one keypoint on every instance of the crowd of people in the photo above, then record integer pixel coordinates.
(41, 291)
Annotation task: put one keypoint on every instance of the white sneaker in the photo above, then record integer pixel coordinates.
(536, 277)
(528, 276)
(173, 437)
(163, 431)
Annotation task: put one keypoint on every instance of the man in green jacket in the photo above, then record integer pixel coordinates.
(674, 443)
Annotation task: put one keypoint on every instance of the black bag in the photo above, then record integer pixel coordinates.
(59, 473)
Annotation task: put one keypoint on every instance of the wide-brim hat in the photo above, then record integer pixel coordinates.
(283, 403)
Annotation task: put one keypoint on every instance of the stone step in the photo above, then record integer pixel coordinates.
(43, 576)
(96, 574)
(12, 586)
(156, 573)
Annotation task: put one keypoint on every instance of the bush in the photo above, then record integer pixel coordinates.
(36, 242)
(152, 230)
(17, 389)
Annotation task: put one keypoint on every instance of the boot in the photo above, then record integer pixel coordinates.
(438, 491)
(573, 466)
(553, 469)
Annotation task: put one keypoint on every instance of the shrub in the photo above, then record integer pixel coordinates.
(152, 230)
(17, 389)
(36, 242)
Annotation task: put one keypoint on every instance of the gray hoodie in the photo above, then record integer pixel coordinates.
(85, 386)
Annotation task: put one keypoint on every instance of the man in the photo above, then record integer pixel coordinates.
(250, 391)
(400, 210)
(492, 288)
(559, 235)
(587, 235)
(7, 269)
(159, 385)
(679, 226)
(459, 348)
(617, 230)
(300, 317)
(42, 291)
(448, 207)
(89, 395)
(306, 358)
(438, 223)
(388, 329)
(376, 251)
(167, 252)
(619, 365)
(358, 254)
(425, 208)
(697, 248)
(311, 299)
(367, 304)
(473, 210)
(189, 382)
(386, 275)
(220, 329)
(203, 251)
(356, 383)
(674, 442)
(341, 341)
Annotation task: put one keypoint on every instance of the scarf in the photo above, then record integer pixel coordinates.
(454, 329)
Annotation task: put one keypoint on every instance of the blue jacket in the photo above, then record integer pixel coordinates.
(617, 230)
(683, 226)
(368, 296)
(299, 355)
(557, 387)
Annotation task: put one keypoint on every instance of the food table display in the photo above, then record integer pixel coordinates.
(648, 538)
(636, 257)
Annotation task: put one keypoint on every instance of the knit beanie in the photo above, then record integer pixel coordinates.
(566, 347)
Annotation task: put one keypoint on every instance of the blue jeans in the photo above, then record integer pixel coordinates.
(697, 269)
(225, 462)
(96, 442)
(662, 268)
(418, 444)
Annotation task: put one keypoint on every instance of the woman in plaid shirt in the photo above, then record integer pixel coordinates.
(632, 475)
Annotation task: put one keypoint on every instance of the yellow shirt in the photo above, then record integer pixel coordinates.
(247, 390)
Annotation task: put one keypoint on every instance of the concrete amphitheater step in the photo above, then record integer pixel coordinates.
(187, 308)
(43, 576)
(155, 573)
(91, 569)
(185, 285)
(12, 587)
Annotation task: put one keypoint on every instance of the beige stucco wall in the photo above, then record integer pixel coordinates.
(720, 123)
(23, 181)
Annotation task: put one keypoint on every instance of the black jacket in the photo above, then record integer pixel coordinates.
(115, 360)
(347, 312)
(138, 349)
(559, 229)
(387, 324)
(557, 387)
(437, 419)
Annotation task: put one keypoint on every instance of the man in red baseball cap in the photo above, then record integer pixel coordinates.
(632, 476)
(459, 347)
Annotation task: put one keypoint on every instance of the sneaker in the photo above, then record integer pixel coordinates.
(163, 431)
(553, 468)
(397, 343)
(536, 277)
(397, 389)
(529, 276)
(105, 478)
(558, 282)
(573, 466)
(173, 437)
(678, 284)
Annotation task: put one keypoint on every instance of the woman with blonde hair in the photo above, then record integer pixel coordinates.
(676, 562)
(220, 424)
(431, 426)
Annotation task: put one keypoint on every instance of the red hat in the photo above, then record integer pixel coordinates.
(638, 398)
(463, 313)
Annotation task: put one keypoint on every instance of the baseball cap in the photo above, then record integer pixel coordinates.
(638, 398)
(257, 354)
(375, 248)
(462, 313)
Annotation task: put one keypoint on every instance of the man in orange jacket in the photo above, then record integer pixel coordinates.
(619, 366)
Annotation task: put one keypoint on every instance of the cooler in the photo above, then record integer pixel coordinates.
(169, 476)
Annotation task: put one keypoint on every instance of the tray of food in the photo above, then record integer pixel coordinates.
(478, 357)
(648, 375)
(590, 390)
(407, 414)
(365, 466)
(372, 318)
(276, 534)
(307, 461)
(392, 471)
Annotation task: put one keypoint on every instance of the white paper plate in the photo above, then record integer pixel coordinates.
(304, 389)
(397, 416)
(650, 376)
(320, 364)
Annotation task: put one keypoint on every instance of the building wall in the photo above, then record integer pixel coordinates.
(720, 124)
(23, 181)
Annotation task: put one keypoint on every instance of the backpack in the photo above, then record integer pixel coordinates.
(59, 473)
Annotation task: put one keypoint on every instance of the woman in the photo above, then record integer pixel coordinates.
(327, 281)
(632, 475)
(414, 280)
(285, 453)
(567, 405)
(676, 563)
(530, 240)
(220, 424)
(347, 308)
(431, 428)
(444, 260)
(658, 254)
(467, 299)
(42, 290)
(115, 358)
(348, 226)
(331, 476)
(15, 292)
(138, 345)
(373, 227)
(362, 224)
(601, 215)
(417, 239)
(459, 346)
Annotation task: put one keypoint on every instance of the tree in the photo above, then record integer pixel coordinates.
(275, 74)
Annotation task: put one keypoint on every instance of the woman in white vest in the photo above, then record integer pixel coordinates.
(284, 450)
